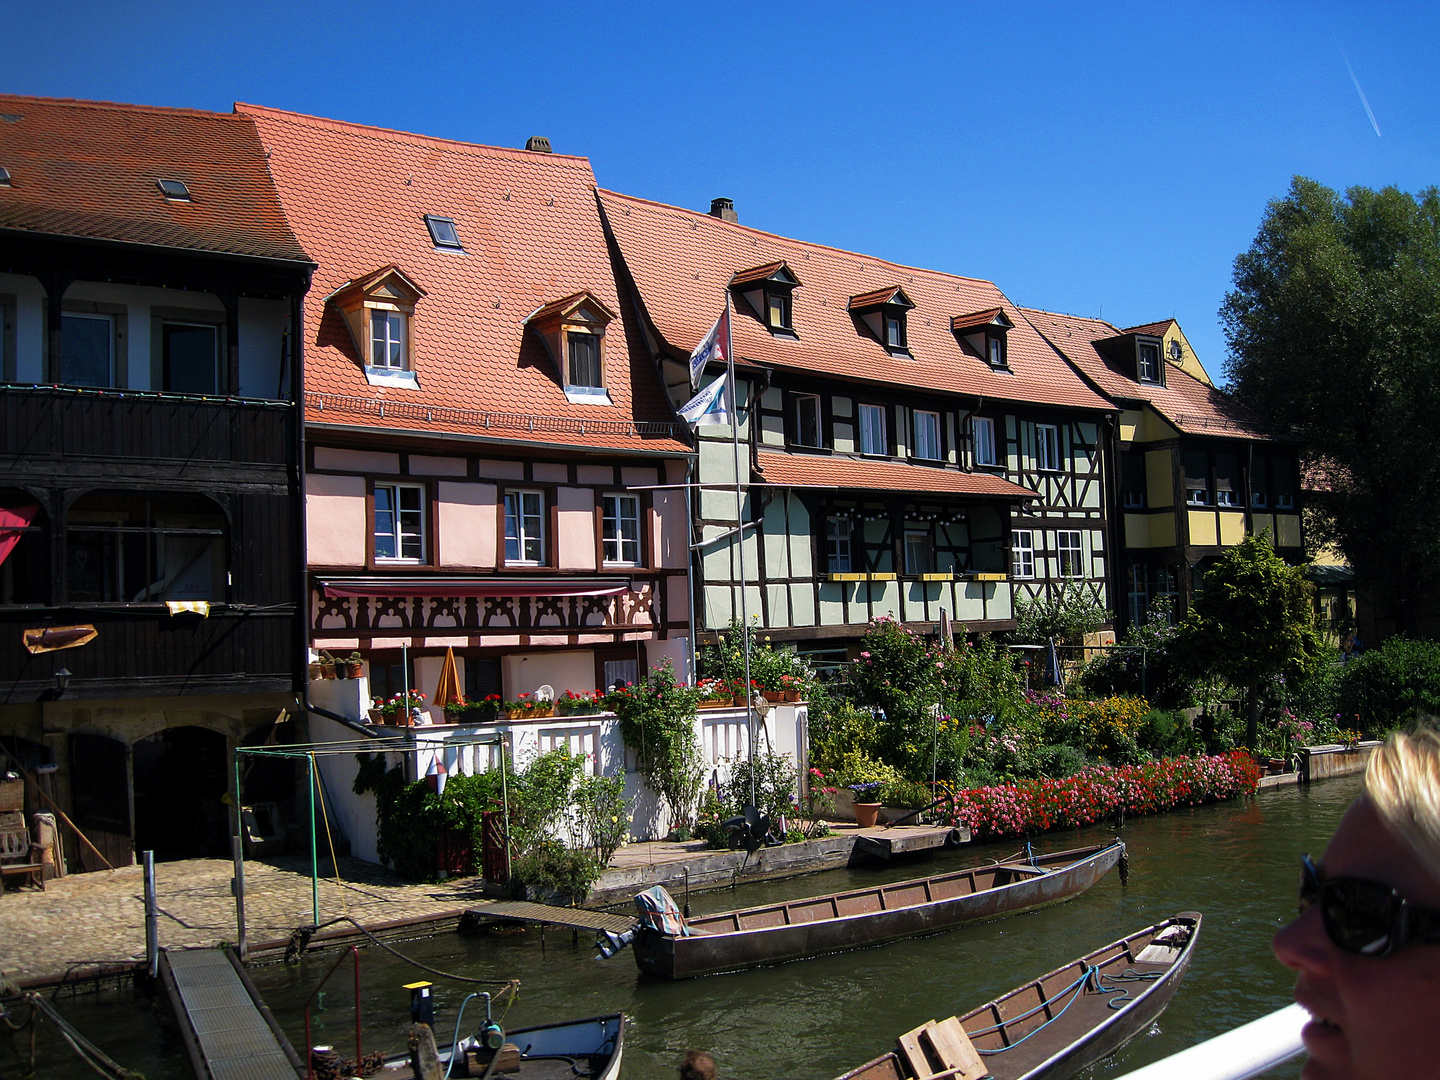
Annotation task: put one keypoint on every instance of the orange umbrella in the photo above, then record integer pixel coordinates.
(447, 690)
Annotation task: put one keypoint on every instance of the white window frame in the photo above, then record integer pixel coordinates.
(400, 321)
(933, 451)
(777, 309)
(1070, 553)
(1226, 497)
(982, 436)
(1147, 372)
(1284, 500)
(1197, 496)
(895, 332)
(926, 563)
(518, 518)
(1047, 447)
(1022, 554)
(872, 422)
(838, 544)
(995, 351)
(414, 535)
(596, 341)
(800, 399)
(617, 548)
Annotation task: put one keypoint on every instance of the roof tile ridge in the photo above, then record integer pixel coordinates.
(1068, 315)
(123, 106)
(395, 135)
(812, 245)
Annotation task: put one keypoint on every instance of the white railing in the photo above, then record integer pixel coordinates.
(1250, 1050)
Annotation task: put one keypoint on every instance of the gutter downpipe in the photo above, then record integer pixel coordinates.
(1246, 1051)
(690, 567)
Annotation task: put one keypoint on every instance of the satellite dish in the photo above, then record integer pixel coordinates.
(545, 692)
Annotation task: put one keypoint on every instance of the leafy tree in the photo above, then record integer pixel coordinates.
(1253, 621)
(1334, 331)
(1067, 616)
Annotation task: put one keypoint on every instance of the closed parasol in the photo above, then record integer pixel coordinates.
(447, 690)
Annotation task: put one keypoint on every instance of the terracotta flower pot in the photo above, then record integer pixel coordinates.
(866, 814)
(774, 696)
(792, 695)
(355, 668)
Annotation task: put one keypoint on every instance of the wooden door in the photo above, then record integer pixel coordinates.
(100, 781)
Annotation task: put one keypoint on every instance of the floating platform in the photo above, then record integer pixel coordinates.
(545, 914)
(883, 843)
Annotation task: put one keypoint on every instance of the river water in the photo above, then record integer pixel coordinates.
(1236, 863)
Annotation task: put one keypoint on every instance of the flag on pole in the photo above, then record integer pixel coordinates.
(711, 348)
(713, 405)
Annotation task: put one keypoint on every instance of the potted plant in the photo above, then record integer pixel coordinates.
(313, 670)
(582, 704)
(790, 686)
(354, 665)
(397, 710)
(327, 665)
(527, 708)
(378, 715)
(715, 694)
(480, 711)
(867, 802)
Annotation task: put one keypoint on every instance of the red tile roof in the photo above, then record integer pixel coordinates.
(976, 318)
(875, 298)
(1192, 406)
(1153, 329)
(532, 236)
(682, 262)
(89, 169)
(757, 273)
(807, 470)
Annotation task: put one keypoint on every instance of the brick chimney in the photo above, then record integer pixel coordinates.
(538, 143)
(724, 209)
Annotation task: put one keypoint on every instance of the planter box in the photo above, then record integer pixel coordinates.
(728, 703)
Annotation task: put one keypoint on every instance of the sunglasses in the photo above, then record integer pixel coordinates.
(1366, 918)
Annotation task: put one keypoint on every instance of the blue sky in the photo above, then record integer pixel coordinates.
(1105, 160)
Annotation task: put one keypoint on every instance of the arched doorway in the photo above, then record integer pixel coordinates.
(180, 777)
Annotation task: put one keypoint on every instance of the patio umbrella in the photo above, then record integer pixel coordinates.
(447, 690)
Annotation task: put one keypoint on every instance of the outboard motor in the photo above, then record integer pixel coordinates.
(749, 830)
(658, 912)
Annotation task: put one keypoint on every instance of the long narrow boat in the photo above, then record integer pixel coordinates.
(562, 1051)
(775, 933)
(1056, 1025)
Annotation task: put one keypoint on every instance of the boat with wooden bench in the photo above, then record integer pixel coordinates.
(1054, 1026)
(773, 933)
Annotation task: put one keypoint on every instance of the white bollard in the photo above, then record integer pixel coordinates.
(1249, 1050)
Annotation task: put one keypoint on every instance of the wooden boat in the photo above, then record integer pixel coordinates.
(775, 933)
(1056, 1025)
(590, 1048)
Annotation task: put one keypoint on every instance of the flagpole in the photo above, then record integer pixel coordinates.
(740, 538)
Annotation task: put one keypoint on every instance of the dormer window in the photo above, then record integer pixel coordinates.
(174, 190)
(378, 310)
(443, 233)
(883, 313)
(1147, 360)
(768, 290)
(573, 330)
(985, 333)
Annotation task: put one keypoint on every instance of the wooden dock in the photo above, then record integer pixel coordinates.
(886, 843)
(544, 914)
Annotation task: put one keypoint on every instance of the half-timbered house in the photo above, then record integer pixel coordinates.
(488, 445)
(1195, 471)
(150, 546)
(912, 445)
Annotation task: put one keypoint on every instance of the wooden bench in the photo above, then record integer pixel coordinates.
(942, 1051)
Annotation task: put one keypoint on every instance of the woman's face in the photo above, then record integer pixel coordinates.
(1370, 1017)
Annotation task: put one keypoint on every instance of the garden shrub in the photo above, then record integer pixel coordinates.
(1149, 663)
(839, 729)
(1059, 760)
(602, 815)
(1389, 687)
(775, 785)
(1166, 733)
(657, 721)
(554, 869)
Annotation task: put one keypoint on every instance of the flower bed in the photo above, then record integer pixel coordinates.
(1099, 792)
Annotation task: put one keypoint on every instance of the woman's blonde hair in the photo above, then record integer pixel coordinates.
(1402, 782)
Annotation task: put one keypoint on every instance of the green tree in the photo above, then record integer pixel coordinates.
(1334, 332)
(1254, 620)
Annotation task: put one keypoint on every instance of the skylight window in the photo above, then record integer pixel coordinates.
(443, 232)
(174, 190)
(4, 176)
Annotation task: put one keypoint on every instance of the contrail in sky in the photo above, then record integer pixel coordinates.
(1368, 112)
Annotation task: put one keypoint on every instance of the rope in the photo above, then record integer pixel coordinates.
(1091, 973)
(300, 940)
(87, 1051)
(325, 812)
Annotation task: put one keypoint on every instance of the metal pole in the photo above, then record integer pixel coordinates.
(314, 849)
(740, 550)
(237, 852)
(152, 928)
(505, 806)
(690, 568)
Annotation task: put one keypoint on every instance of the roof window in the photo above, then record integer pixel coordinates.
(768, 290)
(443, 232)
(174, 190)
(883, 312)
(4, 177)
(986, 332)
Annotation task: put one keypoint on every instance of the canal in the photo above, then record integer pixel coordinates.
(1237, 864)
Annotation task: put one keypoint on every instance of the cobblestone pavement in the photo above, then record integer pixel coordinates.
(99, 918)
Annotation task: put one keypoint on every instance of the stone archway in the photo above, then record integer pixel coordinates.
(180, 775)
